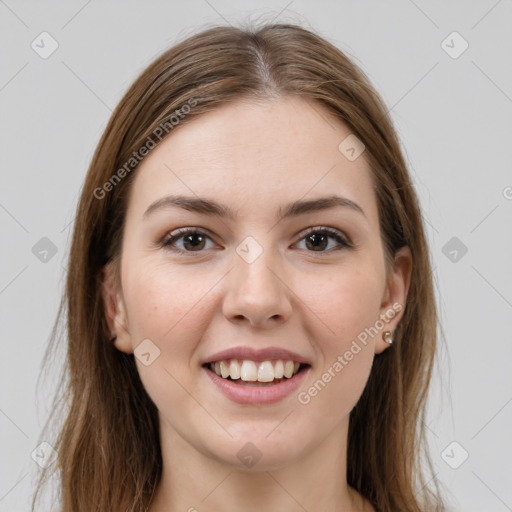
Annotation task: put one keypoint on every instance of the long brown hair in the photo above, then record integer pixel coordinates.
(108, 444)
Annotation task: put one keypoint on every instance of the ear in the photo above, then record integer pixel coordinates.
(114, 308)
(395, 296)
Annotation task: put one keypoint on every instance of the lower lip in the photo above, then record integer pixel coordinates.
(254, 395)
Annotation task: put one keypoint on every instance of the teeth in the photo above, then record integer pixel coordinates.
(234, 370)
(224, 369)
(279, 370)
(288, 369)
(250, 371)
(266, 372)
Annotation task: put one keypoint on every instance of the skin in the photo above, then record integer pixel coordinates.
(254, 157)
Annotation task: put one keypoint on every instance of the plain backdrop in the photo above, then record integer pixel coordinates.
(444, 70)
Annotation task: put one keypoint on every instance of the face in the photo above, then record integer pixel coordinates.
(312, 282)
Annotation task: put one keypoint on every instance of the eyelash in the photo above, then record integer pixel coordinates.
(333, 233)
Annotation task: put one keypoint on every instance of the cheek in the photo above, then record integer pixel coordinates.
(346, 308)
(347, 302)
(158, 298)
(164, 307)
(172, 308)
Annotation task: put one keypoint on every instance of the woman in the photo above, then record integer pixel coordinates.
(250, 307)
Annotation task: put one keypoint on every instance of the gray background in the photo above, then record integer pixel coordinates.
(453, 116)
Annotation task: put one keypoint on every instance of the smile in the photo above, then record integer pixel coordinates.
(251, 382)
(247, 371)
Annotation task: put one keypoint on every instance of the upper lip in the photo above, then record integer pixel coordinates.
(263, 354)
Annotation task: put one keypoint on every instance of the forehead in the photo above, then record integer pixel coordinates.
(249, 154)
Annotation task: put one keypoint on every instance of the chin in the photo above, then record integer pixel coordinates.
(255, 451)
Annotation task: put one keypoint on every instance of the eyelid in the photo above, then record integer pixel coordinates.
(334, 232)
(342, 239)
(181, 232)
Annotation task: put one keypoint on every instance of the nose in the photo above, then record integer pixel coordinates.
(257, 292)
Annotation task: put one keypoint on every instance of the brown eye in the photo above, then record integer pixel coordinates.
(192, 241)
(317, 239)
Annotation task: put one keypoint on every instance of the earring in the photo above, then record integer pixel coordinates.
(113, 339)
(388, 337)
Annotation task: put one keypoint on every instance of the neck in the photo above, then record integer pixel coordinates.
(193, 481)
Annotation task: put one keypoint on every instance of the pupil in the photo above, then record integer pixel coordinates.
(314, 236)
(191, 237)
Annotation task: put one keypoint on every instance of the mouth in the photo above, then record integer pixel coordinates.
(256, 373)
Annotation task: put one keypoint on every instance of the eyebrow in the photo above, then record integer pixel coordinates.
(210, 207)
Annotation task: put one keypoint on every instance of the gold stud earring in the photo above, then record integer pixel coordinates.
(388, 337)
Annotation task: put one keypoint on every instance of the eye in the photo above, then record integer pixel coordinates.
(193, 240)
(317, 239)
